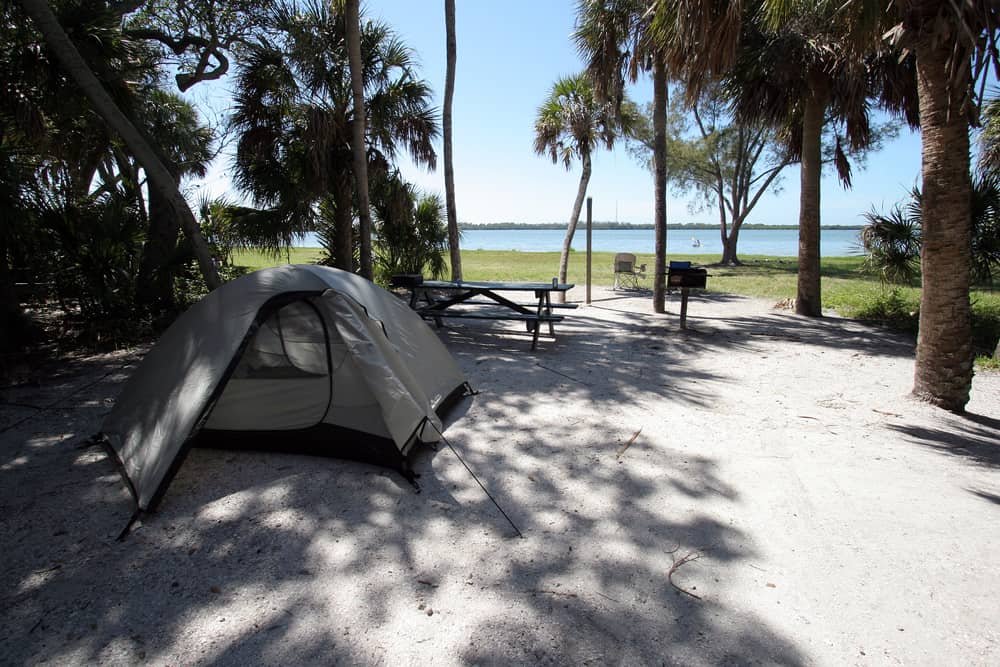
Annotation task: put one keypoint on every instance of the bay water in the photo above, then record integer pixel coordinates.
(774, 242)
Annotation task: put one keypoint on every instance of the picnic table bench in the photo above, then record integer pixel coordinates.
(438, 299)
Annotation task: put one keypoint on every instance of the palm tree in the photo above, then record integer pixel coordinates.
(69, 57)
(353, 33)
(449, 158)
(294, 117)
(614, 37)
(185, 146)
(570, 124)
(953, 44)
(791, 70)
(799, 76)
(410, 228)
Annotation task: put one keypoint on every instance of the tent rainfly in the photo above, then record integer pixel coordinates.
(304, 358)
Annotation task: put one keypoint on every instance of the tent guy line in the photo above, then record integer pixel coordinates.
(481, 485)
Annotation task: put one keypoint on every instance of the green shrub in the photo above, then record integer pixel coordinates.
(891, 308)
(891, 243)
(93, 248)
(985, 322)
(411, 235)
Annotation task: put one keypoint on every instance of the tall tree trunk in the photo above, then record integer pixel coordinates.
(574, 218)
(809, 298)
(13, 332)
(160, 178)
(449, 164)
(155, 285)
(343, 225)
(944, 357)
(729, 256)
(660, 185)
(723, 218)
(353, 22)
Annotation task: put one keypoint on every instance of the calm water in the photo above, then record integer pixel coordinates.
(777, 242)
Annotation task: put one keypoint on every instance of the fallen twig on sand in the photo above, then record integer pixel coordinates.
(690, 556)
(883, 412)
(568, 377)
(549, 592)
(628, 444)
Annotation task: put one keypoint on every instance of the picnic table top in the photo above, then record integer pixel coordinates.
(495, 287)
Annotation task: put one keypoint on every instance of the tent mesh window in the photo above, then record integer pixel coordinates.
(289, 344)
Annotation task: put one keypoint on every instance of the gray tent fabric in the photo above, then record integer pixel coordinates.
(282, 349)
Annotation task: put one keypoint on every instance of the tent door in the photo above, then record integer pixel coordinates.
(282, 382)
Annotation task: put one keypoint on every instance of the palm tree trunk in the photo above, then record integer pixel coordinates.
(660, 178)
(574, 218)
(13, 331)
(155, 286)
(160, 178)
(353, 23)
(944, 356)
(449, 164)
(809, 298)
(343, 227)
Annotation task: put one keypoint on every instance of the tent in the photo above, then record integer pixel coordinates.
(303, 358)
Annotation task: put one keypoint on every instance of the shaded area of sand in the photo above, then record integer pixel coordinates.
(831, 519)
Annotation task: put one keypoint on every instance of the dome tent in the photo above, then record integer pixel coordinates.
(293, 357)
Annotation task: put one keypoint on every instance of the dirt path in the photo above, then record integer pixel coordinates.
(757, 489)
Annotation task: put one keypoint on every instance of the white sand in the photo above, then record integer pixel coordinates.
(832, 519)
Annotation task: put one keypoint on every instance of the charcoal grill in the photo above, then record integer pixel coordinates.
(685, 276)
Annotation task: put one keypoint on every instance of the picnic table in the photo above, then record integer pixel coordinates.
(438, 299)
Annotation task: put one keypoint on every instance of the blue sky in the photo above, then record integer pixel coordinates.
(509, 54)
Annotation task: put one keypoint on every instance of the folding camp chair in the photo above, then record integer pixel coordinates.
(626, 274)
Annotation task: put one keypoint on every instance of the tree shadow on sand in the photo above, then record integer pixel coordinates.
(968, 436)
(278, 559)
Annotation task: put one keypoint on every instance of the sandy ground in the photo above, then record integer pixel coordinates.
(784, 502)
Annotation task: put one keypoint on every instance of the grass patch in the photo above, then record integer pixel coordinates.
(845, 288)
(254, 259)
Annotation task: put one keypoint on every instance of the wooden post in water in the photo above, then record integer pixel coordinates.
(590, 219)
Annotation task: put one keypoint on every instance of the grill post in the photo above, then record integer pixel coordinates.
(684, 306)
